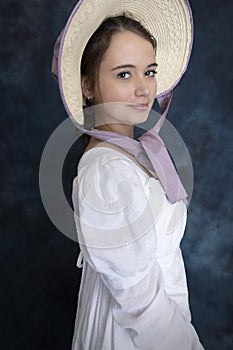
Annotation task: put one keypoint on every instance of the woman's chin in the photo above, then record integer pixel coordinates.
(140, 118)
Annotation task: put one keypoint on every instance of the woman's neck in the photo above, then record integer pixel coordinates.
(124, 129)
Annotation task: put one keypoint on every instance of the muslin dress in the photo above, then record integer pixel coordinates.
(133, 292)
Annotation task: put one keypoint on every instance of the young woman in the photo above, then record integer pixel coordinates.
(133, 293)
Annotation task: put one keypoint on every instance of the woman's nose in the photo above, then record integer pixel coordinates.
(142, 87)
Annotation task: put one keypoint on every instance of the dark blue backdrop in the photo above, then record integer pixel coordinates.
(39, 279)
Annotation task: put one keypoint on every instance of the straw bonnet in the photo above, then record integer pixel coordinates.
(169, 21)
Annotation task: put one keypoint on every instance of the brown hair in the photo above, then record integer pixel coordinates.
(100, 41)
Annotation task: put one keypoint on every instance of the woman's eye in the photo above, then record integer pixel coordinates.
(150, 73)
(123, 75)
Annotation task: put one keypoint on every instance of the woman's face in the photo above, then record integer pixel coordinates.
(127, 75)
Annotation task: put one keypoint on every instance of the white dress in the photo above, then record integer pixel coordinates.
(133, 292)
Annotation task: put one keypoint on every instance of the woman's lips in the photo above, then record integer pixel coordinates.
(140, 106)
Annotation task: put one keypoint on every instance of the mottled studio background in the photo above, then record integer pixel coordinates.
(39, 279)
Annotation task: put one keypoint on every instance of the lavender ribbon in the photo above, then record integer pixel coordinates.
(150, 151)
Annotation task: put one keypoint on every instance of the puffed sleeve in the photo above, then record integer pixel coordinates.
(116, 229)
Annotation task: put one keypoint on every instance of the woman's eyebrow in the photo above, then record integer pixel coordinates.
(123, 66)
(154, 64)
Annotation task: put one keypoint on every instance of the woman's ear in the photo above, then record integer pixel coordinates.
(86, 87)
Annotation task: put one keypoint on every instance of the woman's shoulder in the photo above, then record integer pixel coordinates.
(110, 186)
(109, 160)
(106, 168)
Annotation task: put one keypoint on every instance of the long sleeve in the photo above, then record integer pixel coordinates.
(117, 214)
